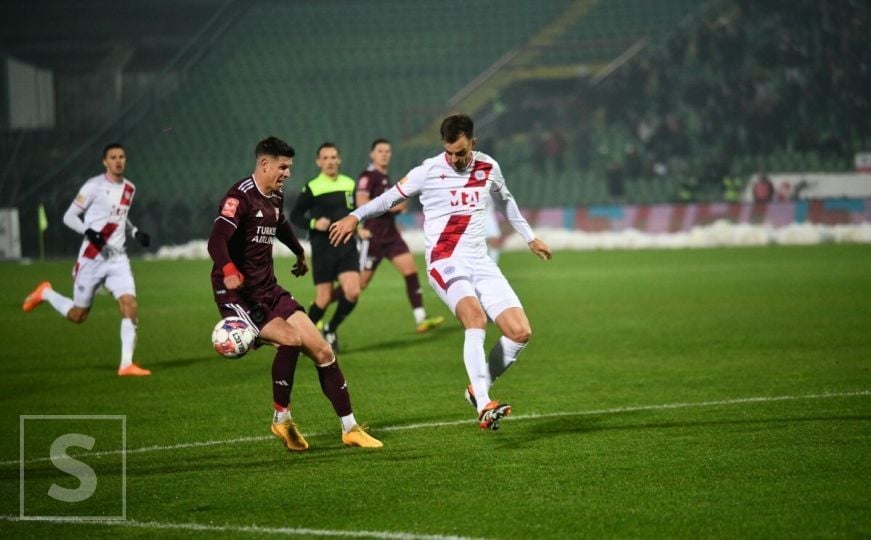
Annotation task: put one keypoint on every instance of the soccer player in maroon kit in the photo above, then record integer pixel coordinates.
(381, 237)
(250, 218)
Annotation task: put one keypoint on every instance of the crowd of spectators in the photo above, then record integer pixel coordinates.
(723, 97)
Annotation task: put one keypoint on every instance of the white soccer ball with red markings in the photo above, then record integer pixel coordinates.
(232, 337)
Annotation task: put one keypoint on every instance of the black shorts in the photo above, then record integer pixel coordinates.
(329, 261)
(372, 251)
(278, 303)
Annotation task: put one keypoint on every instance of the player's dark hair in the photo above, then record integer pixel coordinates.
(376, 142)
(112, 146)
(273, 146)
(326, 144)
(457, 125)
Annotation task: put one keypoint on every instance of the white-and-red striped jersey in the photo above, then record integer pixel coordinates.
(455, 205)
(106, 204)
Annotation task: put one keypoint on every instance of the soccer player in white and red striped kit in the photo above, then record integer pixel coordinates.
(455, 189)
(105, 201)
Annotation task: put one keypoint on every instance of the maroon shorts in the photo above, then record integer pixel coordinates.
(372, 252)
(259, 312)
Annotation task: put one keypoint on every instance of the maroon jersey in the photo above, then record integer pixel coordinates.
(254, 218)
(383, 228)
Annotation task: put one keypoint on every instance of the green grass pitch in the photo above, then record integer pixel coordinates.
(696, 393)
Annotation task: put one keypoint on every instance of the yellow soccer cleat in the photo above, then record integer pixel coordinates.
(357, 436)
(289, 434)
(429, 324)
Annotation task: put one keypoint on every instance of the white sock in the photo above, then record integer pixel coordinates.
(476, 365)
(348, 422)
(503, 354)
(59, 302)
(281, 416)
(128, 341)
(419, 314)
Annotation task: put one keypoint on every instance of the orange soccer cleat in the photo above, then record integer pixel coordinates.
(133, 370)
(491, 415)
(35, 298)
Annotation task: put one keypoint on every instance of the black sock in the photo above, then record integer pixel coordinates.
(342, 310)
(337, 293)
(316, 313)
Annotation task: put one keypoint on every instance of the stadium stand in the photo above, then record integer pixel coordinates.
(585, 102)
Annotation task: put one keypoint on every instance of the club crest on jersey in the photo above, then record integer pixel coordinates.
(230, 206)
(465, 197)
(480, 174)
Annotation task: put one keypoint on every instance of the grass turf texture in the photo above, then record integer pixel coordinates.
(611, 330)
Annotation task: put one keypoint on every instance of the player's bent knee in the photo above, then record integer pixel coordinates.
(323, 354)
(77, 315)
(522, 335)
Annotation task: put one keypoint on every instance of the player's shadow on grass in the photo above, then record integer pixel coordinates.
(175, 363)
(409, 341)
(588, 424)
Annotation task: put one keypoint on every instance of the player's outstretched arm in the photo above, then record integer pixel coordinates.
(341, 231)
(541, 250)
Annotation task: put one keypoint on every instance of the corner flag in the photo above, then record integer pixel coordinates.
(42, 219)
(42, 222)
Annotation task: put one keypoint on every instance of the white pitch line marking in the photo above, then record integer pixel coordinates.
(247, 529)
(515, 418)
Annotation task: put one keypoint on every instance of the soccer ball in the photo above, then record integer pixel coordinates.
(232, 337)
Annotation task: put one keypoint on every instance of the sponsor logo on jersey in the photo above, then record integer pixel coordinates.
(465, 197)
(264, 235)
(259, 213)
(449, 270)
(230, 206)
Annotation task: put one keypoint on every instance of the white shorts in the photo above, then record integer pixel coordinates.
(89, 274)
(455, 279)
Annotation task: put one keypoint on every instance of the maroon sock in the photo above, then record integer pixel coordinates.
(335, 388)
(283, 368)
(412, 289)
